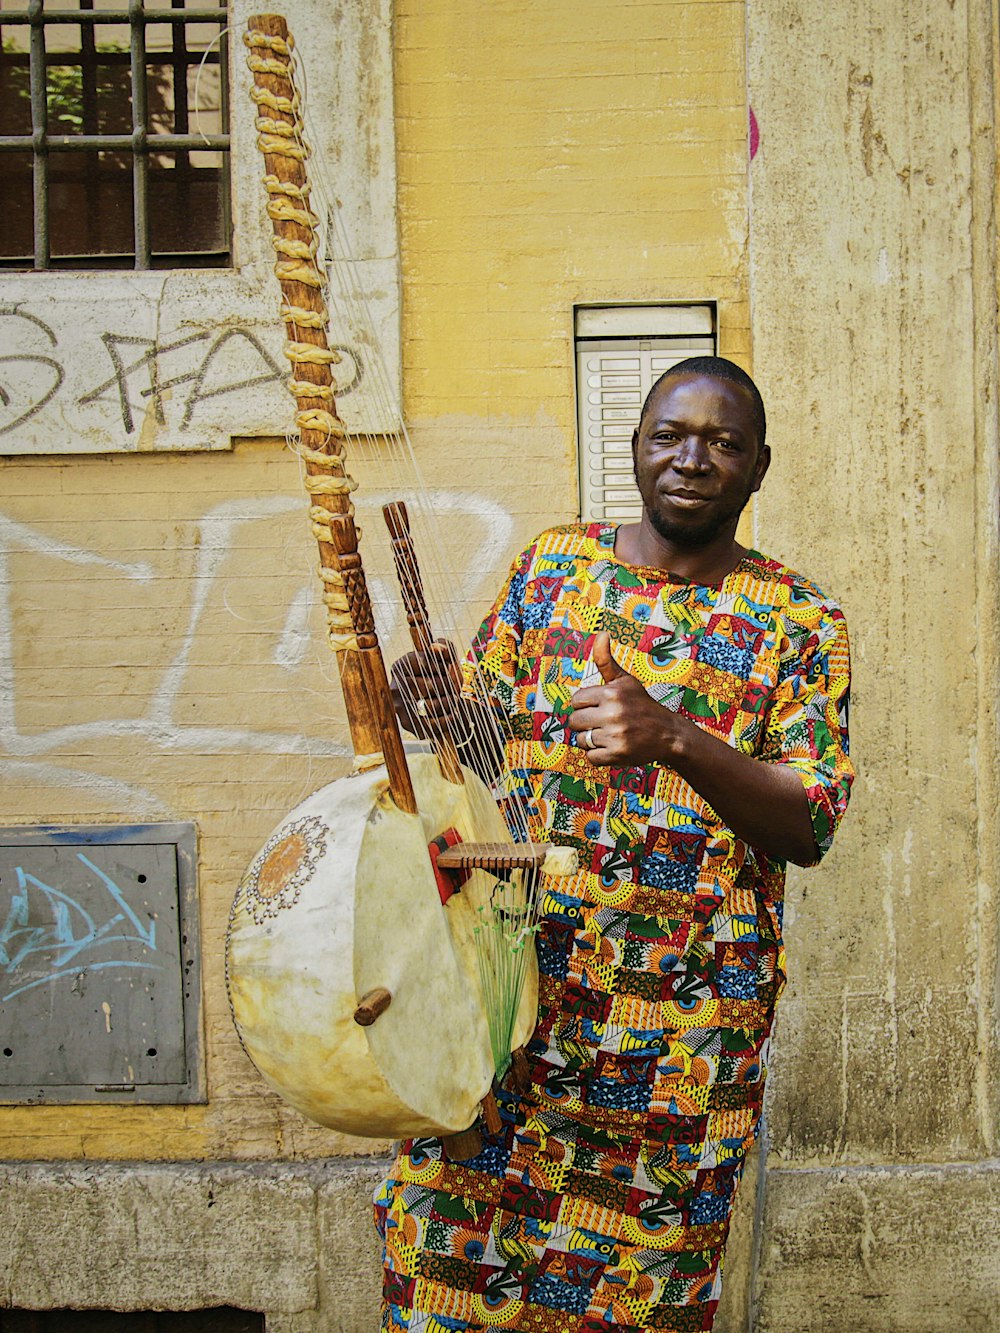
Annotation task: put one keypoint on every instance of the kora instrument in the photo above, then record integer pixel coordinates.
(380, 954)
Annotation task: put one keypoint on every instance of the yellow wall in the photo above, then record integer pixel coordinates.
(558, 154)
(547, 155)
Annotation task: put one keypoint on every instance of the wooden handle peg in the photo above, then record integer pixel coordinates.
(372, 1003)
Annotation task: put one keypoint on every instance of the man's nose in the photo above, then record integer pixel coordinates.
(692, 456)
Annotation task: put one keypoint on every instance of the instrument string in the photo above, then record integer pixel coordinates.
(205, 105)
(506, 931)
(391, 454)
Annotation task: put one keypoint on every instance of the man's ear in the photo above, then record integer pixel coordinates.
(763, 463)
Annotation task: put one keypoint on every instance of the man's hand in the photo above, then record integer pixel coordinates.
(619, 722)
(425, 691)
(763, 803)
(426, 694)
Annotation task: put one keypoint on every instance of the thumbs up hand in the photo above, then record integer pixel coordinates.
(604, 660)
(618, 723)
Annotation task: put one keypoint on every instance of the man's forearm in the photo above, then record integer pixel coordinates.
(763, 803)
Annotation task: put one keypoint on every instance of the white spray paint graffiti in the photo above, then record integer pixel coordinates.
(294, 642)
(159, 726)
(110, 792)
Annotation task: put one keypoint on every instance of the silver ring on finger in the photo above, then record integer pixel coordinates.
(420, 708)
(587, 739)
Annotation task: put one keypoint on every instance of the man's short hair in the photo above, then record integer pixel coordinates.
(716, 368)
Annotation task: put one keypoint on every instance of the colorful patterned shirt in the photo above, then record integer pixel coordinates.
(759, 660)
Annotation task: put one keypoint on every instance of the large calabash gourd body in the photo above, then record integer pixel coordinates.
(343, 900)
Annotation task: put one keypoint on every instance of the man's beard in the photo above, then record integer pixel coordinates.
(694, 536)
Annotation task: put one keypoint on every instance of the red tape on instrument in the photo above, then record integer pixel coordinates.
(448, 881)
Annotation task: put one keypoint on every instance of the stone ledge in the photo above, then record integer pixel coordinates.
(880, 1249)
(191, 1235)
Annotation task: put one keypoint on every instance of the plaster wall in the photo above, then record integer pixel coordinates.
(290, 1240)
(873, 293)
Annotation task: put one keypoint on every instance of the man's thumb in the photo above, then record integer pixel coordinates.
(605, 663)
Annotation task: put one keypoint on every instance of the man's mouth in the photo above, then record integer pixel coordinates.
(687, 499)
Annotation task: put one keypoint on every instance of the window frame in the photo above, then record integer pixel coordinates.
(140, 143)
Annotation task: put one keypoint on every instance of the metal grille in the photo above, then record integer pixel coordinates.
(620, 352)
(114, 134)
(99, 987)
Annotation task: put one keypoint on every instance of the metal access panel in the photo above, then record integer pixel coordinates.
(620, 352)
(99, 964)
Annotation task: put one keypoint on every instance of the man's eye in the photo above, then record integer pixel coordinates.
(726, 444)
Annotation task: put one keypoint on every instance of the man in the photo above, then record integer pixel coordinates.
(712, 750)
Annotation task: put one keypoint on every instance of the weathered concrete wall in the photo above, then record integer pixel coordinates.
(291, 1240)
(864, 1248)
(873, 289)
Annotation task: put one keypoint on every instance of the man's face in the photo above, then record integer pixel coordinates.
(697, 460)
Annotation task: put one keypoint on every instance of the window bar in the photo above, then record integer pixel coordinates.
(77, 16)
(35, 17)
(110, 143)
(179, 67)
(88, 89)
(140, 156)
(88, 72)
(226, 161)
(179, 53)
(39, 134)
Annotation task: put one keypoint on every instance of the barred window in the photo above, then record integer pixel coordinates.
(114, 136)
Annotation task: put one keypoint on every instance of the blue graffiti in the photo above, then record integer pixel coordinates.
(64, 944)
(74, 834)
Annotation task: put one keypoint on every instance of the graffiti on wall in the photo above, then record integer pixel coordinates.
(124, 380)
(39, 755)
(50, 933)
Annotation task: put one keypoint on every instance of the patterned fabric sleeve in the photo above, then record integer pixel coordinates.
(490, 671)
(807, 719)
